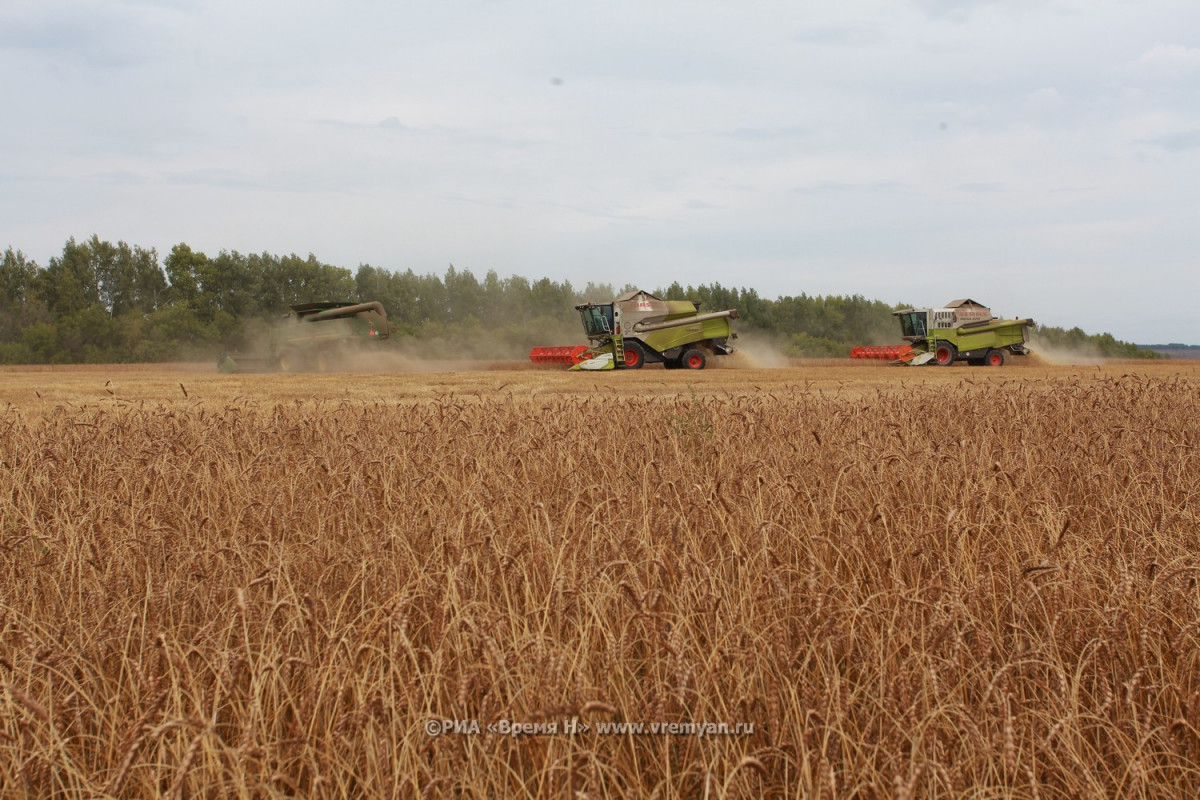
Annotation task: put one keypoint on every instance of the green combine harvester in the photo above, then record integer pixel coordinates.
(638, 329)
(313, 337)
(963, 330)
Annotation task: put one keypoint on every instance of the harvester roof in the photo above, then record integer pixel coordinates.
(964, 303)
(634, 293)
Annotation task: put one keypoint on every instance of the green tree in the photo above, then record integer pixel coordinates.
(493, 313)
(596, 293)
(68, 284)
(283, 282)
(103, 302)
(464, 296)
(431, 300)
(184, 270)
(518, 297)
(128, 278)
(149, 281)
(226, 285)
(19, 307)
(17, 279)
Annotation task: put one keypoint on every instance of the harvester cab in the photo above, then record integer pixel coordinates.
(602, 324)
(638, 329)
(598, 321)
(913, 324)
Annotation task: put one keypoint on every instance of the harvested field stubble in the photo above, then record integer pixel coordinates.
(906, 600)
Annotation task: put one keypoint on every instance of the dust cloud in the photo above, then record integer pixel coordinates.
(409, 355)
(758, 352)
(368, 359)
(1064, 356)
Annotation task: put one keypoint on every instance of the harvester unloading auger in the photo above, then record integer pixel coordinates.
(638, 328)
(313, 336)
(962, 331)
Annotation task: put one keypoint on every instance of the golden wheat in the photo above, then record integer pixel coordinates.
(923, 584)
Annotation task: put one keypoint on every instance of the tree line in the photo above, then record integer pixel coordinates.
(100, 302)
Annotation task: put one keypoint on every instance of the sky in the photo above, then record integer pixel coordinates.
(1040, 157)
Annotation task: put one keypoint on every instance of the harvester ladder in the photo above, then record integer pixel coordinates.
(618, 341)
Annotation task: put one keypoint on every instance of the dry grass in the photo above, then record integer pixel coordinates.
(915, 583)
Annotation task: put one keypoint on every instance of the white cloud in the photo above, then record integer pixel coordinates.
(1175, 58)
(1048, 96)
(1179, 140)
(836, 148)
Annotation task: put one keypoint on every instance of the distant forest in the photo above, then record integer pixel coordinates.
(100, 302)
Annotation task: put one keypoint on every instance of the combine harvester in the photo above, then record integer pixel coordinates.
(314, 337)
(962, 331)
(638, 329)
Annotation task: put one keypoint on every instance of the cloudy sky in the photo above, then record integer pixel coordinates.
(1042, 157)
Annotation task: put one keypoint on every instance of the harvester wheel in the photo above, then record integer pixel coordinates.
(635, 356)
(994, 358)
(944, 354)
(693, 359)
(290, 361)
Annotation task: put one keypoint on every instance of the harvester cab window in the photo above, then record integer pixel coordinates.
(597, 320)
(913, 324)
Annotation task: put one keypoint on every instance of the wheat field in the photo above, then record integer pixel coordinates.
(902, 583)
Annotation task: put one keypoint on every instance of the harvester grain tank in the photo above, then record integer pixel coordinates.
(315, 336)
(638, 329)
(963, 330)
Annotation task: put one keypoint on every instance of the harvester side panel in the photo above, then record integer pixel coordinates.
(679, 336)
(994, 336)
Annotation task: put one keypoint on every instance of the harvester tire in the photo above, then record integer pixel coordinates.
(329, 359)
(944, 354)
(290, 361)
(994, 358)
(693, 359)
(635, 356)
